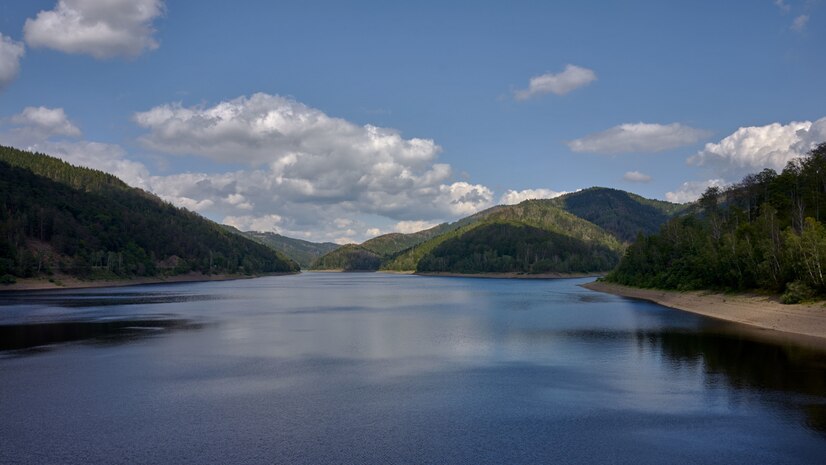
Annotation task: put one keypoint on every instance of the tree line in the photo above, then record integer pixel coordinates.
(764, 233)
(55, 217)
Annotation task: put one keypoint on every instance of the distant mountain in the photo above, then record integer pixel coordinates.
(531, 237)
(350, 257)
(59, 218)
(305, 253)
(584, 231)
(371, 254)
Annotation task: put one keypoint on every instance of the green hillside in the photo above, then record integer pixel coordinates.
(387, 247)
(765, 233)
(350, 257)
(585, 230)
(58, 218)
(305, 253)
(517, 248)
(523, 222)
(621, 213)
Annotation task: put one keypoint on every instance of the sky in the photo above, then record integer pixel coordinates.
(339, 121)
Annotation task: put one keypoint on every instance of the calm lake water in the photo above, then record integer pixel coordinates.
(375, 368)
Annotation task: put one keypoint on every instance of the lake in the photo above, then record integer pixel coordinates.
(370, 368)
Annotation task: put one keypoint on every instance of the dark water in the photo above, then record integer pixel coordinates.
(374, 368)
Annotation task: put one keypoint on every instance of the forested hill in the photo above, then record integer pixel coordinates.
(58, 218)
(305, 253)
(621, 213)
(581, 232)
(535, 236)
(764, 233)
(371, 254)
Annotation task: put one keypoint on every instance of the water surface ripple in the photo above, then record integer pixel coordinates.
(374, 368)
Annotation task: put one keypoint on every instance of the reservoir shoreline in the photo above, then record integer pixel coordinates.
(68, 282)
(758, 311)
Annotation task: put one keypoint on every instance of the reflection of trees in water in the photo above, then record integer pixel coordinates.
(26, 336)
(747, 363)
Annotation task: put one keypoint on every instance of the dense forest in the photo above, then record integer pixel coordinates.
(621, 213)
(350, 257)
(764, 233)
(58, 218)
(517, 248)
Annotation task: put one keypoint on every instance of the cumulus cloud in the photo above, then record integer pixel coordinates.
(101, 28)
(407, 227)
(39, 123)
(636, 176)
(512, 197)
(300, 154)
(10, 54)
(799, 23)
(572, 77)
(373, 232)
(757, 147)
(692, 190)
(638, 137)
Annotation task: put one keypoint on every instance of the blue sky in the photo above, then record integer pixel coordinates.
(341, 120)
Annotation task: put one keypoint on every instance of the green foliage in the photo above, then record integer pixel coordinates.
(622, 214)
(506, 247)
(544, 215)
(349, 257)
(389, 247)
(55, 217)
(797, 292)
(763, 233)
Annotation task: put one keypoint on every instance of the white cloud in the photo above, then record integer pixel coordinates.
(799, 23)
(784, 7)
(40, 123)
(692, 190)
(266, 223)
(373, 232)
(512, 197)
(636, 176)
(101, 28)
(300, 155)
(757, 147)
(10, 54)
(572, 77)
(407, 227)
(638, 137)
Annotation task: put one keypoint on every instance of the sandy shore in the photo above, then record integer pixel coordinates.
(754, 310)
(514, 275)
(68, 282)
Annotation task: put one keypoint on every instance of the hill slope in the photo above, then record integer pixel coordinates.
(621, 213)
(582, 231)
(544, 237)
(384, 248)
(305, 253)
(58, 218)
